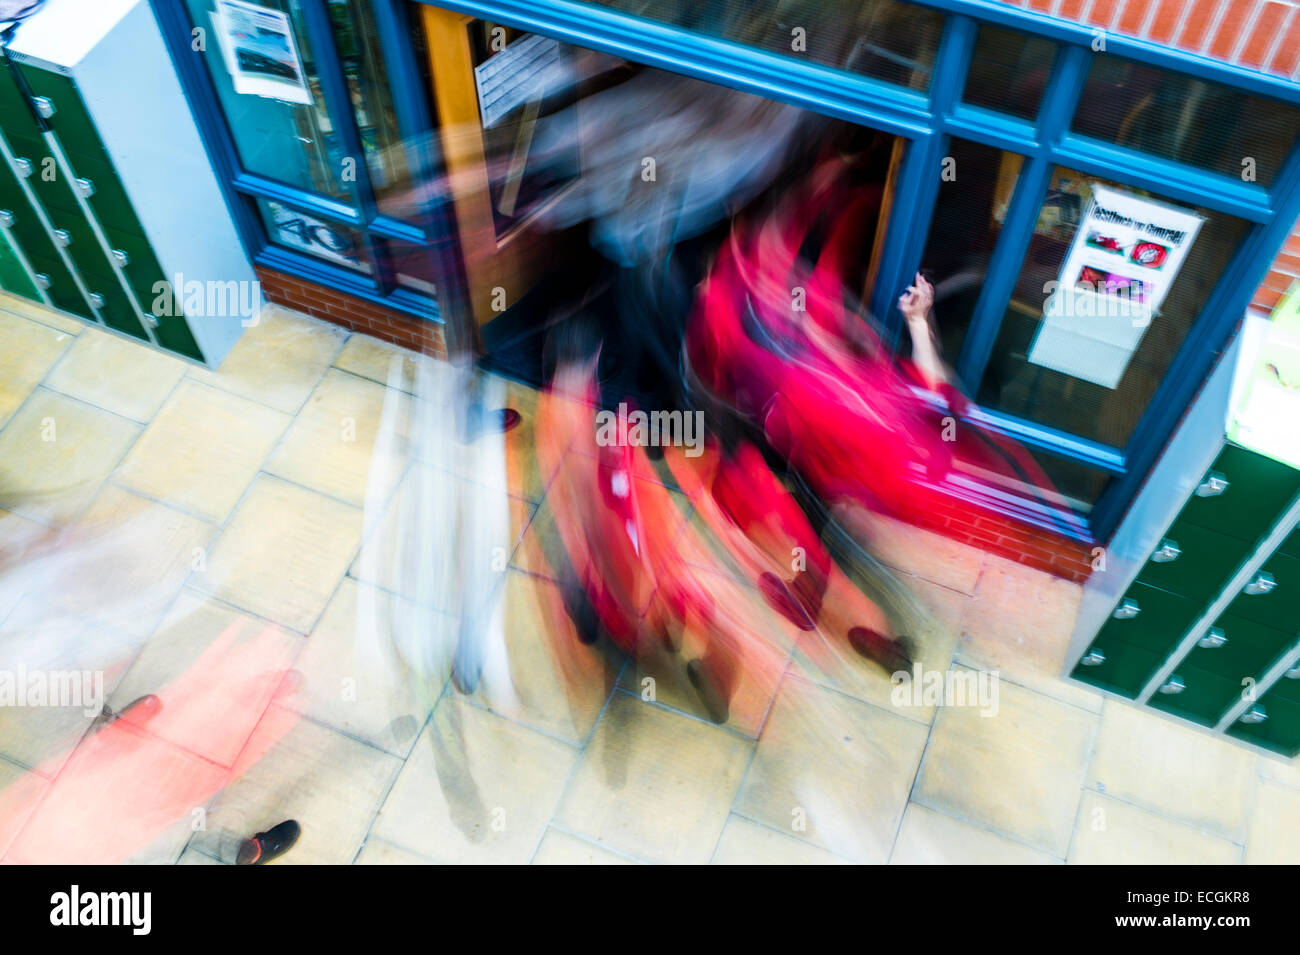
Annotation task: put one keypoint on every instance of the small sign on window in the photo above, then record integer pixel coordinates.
(516, 75)
(1122, 262)
(261, 54)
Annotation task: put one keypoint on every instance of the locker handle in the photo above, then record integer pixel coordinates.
(1094, 659)
(1263, 583)
(1213, 485)
(1167, 552)
(1213, 639)
(1127, 610)
(1255, 714)
(1173, 686)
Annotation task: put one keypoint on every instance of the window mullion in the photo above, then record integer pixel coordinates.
(334, 86)
(1059, 101)
(918, 185)
(415, 120)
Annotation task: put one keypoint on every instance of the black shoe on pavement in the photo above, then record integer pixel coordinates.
(272, 844)
(717, 705)
(894, 654)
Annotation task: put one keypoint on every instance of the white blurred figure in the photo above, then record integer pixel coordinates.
(442, 540)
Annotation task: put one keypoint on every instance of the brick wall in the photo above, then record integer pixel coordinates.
(1257, 34)
(1284, 270)
(356, 314)
(1021, 543)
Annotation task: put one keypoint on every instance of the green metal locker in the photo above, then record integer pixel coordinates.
(1197, 614)
(107, 198)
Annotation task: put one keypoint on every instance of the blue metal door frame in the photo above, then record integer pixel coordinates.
(926, 121)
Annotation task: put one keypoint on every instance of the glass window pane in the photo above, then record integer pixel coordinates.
(272, 101)
(884, 39)
(524, 171)
(968, 215)
(357, 39)
(1071, 486)
(412, 266)
(1177, 117)
(1016, 384)
(1009, 71)
(332, 242)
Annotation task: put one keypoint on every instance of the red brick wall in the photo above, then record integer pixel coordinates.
(1284, 271)
(1257, 34)
(357, 314)
(1017, 542)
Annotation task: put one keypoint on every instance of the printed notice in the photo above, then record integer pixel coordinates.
(1121, 264)
(261, 55)
(517, 75)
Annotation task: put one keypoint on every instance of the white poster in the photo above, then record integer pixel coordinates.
(301, 231)
(1121, 264)
(521, 72)
(261, 55)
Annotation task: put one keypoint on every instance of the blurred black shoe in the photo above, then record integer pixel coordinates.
(892, 653)
(778, 595)
(272, 844)
(465, 677)
(137, 711)
(582, 613)
(717, 705)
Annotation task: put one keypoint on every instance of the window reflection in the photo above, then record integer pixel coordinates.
(292, 142)
(357, 38)
(1009, 71)
(884, 39)
(1015, 383)
(974, 194)
(412, 266)
(1203, 124)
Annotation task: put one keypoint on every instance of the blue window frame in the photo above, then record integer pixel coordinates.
(338, 237)
(928, 120)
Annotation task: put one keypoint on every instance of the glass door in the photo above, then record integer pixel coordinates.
(491, 85)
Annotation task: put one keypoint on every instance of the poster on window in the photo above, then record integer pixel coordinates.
(1122, 261)
(308, 234)
(261, 54)
(519, 73)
